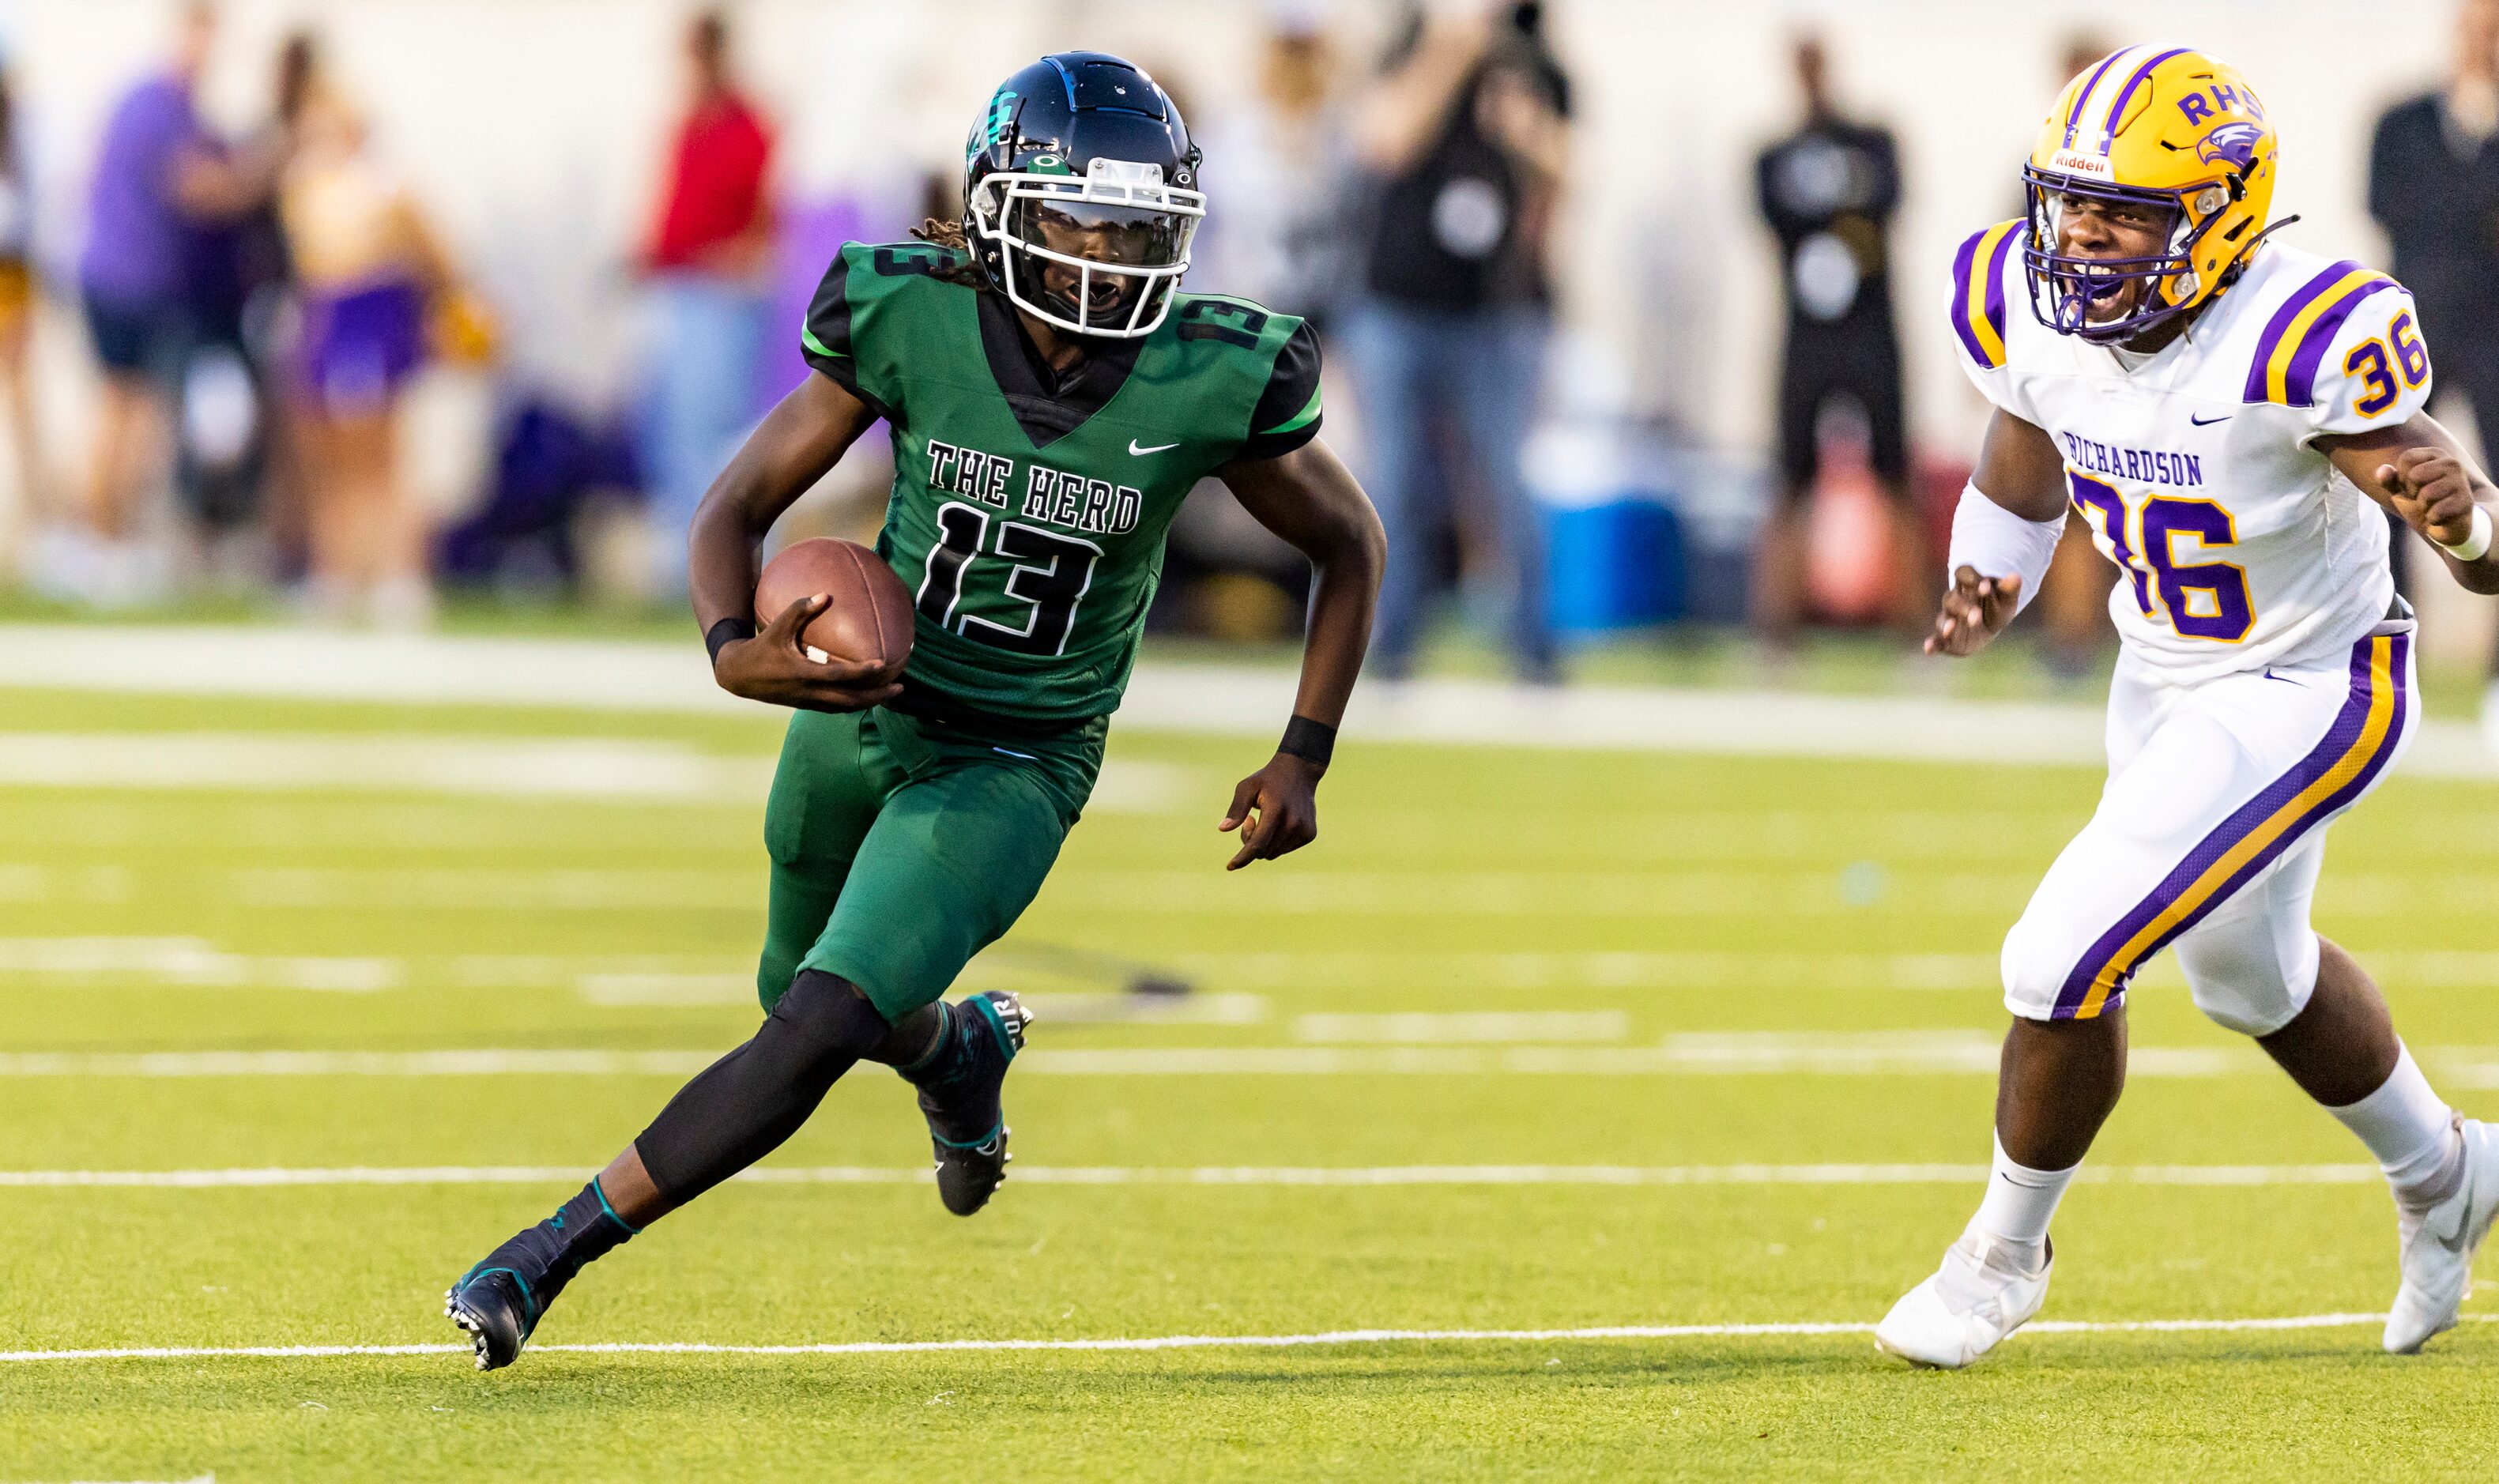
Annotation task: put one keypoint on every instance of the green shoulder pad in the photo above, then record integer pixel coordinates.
(901, 312)
(1240, 324)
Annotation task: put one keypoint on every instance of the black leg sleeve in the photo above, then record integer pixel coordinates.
(743, 1106)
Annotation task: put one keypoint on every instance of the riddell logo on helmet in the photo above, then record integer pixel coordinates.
(2080, 164)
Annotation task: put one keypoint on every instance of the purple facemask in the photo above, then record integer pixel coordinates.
(2064, 287)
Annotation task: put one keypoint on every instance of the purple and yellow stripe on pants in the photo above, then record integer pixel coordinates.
(2295, 340)
(2355, 747)
(1978, 293)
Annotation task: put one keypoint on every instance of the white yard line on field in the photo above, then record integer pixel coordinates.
(1810, 1329)
(592, 769)
(736, 987)
(660, 979)
(1894, 1054)
(1214, 699)
(1599, 969)
(1861, 891)
(581, 767)
(1497, 1026)
(407, 669)
(732, 987)
(1728, 969)
(190, 962)
(1321, 1175)
(1875, 1054)
(454, 1063)
(1867, 1053)
(204, 1478)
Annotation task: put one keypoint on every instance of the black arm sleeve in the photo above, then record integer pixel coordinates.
(826, 337)
(1288, 412)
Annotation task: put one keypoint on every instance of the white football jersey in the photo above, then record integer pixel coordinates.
(2241, 546)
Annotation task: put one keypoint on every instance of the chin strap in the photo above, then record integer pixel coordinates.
(2261, 235)
(2239, 265)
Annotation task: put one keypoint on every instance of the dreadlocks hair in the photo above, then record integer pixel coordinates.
(949, 235)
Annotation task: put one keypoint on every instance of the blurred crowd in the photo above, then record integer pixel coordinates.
(258, 305)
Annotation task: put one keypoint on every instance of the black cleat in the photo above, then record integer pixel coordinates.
(492, 1305)
(966, 1125)
(502, 1300)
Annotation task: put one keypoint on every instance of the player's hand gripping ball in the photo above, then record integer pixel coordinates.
(869, 619)
(836, 629)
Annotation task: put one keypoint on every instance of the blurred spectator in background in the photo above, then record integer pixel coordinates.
(235, 277)
(2073, 601)
(267, 264)
(157, 178)
(32, 505)
(1276, 231)
(1466, 129)
(2434, 186)
(368, 270)
(1829, 192)
(710, 259)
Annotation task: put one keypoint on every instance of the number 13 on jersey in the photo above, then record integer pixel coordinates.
(1023, 573)
(2201, 600)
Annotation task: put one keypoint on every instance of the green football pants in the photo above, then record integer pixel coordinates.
(900, 848)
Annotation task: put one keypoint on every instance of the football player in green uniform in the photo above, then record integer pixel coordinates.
(1052, 395)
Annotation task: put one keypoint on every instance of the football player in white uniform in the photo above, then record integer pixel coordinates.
(2221, 409)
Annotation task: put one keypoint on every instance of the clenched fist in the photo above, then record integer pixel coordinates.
(2433, 491)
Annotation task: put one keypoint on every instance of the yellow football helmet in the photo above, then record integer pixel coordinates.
(2165, 126)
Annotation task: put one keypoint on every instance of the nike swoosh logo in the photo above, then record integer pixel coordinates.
(2207, 422)
(1157, 448)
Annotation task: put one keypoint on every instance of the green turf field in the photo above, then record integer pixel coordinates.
(1528, 1042)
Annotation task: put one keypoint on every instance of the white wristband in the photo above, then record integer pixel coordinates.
(2471, 548)
(2000, 543)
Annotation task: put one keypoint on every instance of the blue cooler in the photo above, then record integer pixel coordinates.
(1616, 562)
(1614, 541)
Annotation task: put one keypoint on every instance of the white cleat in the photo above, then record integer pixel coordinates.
(1981, 1294)
(2438, 1244)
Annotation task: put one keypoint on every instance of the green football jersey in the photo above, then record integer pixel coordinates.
(1028, 509)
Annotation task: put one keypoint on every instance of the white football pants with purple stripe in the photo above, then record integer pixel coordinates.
(2210, 835)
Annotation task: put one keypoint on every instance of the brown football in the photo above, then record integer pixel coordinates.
(870, 615)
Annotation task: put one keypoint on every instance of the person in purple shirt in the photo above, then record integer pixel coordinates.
(158, 177)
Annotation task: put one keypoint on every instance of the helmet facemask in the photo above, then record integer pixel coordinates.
(2066, 287)
(1097, 254)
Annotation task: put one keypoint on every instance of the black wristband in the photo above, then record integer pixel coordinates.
(1314, 742)
(726, 631)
